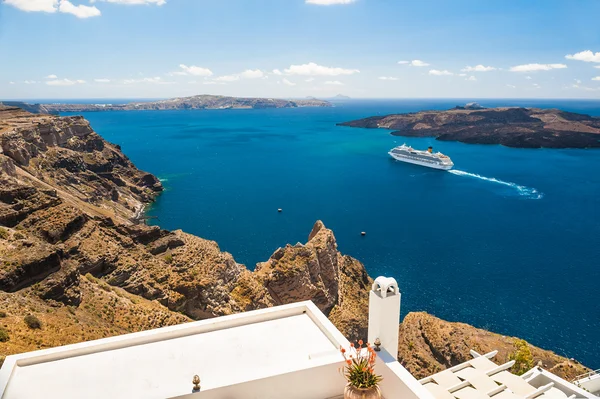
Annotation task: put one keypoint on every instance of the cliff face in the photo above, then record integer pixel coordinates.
(74, 255)
(428, 345)
(511, 127)
(68, 208)
(336, 283)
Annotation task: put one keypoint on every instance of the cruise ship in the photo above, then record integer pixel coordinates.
(427, 158)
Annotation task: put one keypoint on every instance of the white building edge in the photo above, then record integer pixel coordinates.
(289, 351)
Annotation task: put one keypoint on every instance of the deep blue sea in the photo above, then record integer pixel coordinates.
(510, 241)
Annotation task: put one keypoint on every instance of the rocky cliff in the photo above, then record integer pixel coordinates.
(69, 207)
(511, 127)
(77, 264)
(428, 345)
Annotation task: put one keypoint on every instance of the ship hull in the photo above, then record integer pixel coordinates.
(422, 163)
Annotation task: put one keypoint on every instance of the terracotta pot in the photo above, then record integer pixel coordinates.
(351, 392)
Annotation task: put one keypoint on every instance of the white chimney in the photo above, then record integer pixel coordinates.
(384, 313)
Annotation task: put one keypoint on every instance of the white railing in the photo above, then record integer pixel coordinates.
(586, 375)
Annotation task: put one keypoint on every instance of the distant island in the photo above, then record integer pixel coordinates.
(193, 102)
(511, 127)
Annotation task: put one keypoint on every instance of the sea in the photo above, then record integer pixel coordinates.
(508, 241)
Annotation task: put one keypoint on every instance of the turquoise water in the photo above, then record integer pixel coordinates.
(508, 241)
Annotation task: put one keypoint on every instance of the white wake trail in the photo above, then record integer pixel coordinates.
(522, 190)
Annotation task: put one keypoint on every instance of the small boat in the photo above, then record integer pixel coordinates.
(427, 158)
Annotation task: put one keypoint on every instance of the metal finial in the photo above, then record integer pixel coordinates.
(196, 382)
(377, 344)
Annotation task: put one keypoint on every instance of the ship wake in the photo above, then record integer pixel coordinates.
(528, 192)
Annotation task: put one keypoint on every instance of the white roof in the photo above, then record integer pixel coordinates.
(161, 363)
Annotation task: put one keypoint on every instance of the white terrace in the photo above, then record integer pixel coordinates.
(290, 352)
(481, 378)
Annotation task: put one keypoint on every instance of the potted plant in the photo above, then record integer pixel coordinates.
(359, 371)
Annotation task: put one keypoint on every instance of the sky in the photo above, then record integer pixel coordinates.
(67, 49)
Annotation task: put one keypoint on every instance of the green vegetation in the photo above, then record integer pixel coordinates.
(522, 357)
(2, 360)
(168, 258)
(4, 335)
(19, 236)
(32, 322)
(3, 233)
(104, 286)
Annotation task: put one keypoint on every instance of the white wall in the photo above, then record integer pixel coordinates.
(591, 383)
(315, 383)
(397, 382)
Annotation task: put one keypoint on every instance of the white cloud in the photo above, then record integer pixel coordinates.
(334, 83)
(329, 2)
(309, 80)
(597, 66)
(80, 11)
(387, 78)
(586, 56)
(403, 62)
(287, 82)
(537, 86)
(11, 83)
(155, 80)
(528, 77)
(471, 78)
(512, 86)
(462, 74)
(64, 82)
(418, 63)
(102, 80)
(536, 67)
(478, 68)
(585, 88)
(212, 82)
(34, 5)
(252, 74)
(51, 6)
(134, 2)
(440, 73)
(227, 78)
(277, 72)
(51, 77)
(177, 73)
(30, 82)
(247, 74)
(312, 69)
(578, 81)
(596, 78)
(194, 70)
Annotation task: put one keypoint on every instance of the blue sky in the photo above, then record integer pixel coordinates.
(299, 48)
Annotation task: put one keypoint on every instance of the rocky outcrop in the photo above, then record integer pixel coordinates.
(511, 127)
(193, 102)
(316, 271)
(304, 271)
(428, 345)
(64, 154)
